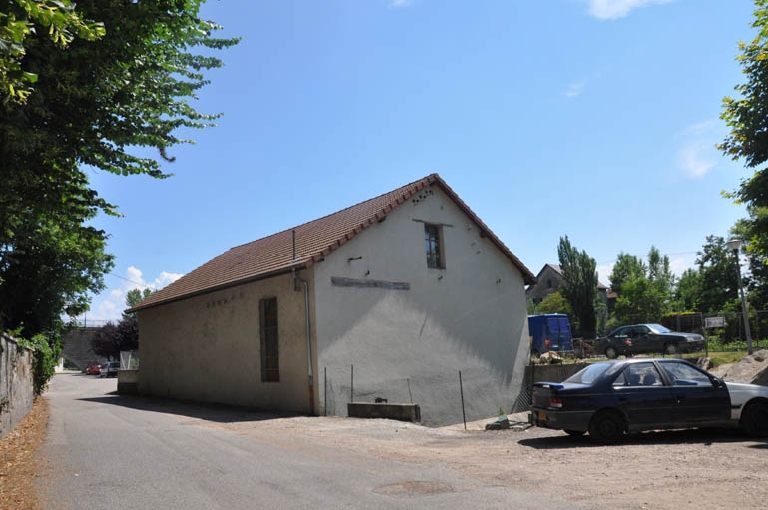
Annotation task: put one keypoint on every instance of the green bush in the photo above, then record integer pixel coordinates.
(45, 356)
(719, 344)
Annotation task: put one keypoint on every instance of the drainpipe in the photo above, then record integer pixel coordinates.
(310, 377)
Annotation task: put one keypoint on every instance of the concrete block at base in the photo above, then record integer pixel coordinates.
(128, 381)
(401, 412)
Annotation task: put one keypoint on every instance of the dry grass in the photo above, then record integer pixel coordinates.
(20, 468)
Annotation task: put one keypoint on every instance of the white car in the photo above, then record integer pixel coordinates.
(743, 395)
(109, 369)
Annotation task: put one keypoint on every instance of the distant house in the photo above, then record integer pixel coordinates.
(550, 279)
(390, 298)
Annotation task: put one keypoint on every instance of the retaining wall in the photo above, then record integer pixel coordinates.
(16, 384)
(537, 373)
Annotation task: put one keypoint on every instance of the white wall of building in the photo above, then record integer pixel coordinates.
(468, 317)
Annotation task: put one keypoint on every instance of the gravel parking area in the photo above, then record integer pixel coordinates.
(699, 469)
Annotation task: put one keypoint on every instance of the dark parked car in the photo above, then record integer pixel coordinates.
(109, 369)
(609, 398)
(648, 338)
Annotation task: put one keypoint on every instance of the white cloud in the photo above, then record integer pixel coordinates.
(575, 89)
(110, 304)
(697, 154)
(694, 162)
(164, 279)
(678, 265)
(615, 9)
(603, 272)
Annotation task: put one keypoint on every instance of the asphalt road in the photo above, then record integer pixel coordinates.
(110, 451)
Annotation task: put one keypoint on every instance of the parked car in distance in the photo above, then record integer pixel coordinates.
(646, 339)
(109, 369)
(610, 398)
(93, 369)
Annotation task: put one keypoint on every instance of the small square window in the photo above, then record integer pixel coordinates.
(434, 244)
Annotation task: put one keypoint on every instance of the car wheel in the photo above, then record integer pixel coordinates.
(754, 419)
(670, 349)
(575, 433)
(610, 352)
(534, 356)
(606, 427)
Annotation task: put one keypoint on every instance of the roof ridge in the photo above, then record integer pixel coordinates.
(429, 179)
(277, 253)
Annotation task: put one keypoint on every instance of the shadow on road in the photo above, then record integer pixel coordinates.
(219, 413)
(700, 437)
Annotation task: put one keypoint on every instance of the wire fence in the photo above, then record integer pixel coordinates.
(89, 323)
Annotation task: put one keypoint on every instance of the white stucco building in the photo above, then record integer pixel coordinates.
(389, 298)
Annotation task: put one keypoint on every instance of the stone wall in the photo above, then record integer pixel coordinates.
(76, 347)
(16, 384)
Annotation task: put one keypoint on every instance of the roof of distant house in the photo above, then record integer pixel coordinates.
(306, 245)
(559, 270)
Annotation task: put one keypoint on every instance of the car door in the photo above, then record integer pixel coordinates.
(642, 340)
(699, 398)
(641, 393)
(621, 339)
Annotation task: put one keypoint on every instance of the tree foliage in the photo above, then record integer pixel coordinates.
(644, 290)
(579, 272)
(627, 267)
(110, 339)
(755, 247)
(745, 116)
(135, 296)
(719, 280)
(85, 88)
(554, 303)
(95, 102)
(20, 19)
(50, 261)
(687, 293)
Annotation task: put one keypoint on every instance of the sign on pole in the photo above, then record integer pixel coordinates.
(714, 322)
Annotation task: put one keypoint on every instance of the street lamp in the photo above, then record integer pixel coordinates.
(734, 244)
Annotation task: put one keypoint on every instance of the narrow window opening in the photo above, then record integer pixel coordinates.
(434, 244)
(270, 371)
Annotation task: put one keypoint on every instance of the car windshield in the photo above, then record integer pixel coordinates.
(658, 328)
(589, 374)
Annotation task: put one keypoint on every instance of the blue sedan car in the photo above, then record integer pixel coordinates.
(610, 398)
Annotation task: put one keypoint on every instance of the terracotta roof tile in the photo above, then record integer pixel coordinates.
(313, 242)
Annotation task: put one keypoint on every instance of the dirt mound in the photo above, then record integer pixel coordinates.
(752, 369)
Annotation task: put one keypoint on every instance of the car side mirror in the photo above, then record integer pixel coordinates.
(717, 383)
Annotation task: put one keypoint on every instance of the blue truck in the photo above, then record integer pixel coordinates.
(549, 332)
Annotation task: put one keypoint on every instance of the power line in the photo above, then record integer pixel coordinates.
(127, 280)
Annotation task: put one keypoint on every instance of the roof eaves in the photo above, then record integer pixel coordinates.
(303, 264)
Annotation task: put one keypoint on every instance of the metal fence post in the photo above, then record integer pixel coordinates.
(463, 412)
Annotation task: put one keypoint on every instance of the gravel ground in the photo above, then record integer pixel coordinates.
(679, 469)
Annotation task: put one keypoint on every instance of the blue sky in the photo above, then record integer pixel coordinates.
(595, 119)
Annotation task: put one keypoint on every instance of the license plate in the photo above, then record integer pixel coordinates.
(541, 415)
